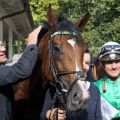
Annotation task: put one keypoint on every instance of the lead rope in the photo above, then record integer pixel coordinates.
(94, 72)
(103, 86)
(53, 103)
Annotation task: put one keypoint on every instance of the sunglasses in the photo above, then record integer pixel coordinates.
(109, 48)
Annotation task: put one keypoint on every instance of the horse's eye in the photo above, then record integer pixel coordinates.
(57, 49)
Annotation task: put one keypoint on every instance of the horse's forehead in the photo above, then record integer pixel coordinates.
(64, 39)
(72, 42)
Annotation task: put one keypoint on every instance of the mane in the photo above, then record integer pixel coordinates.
(44, 30)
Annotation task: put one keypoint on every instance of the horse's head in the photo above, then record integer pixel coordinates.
(62, 49)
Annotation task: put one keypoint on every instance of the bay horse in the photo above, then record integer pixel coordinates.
(97, 69)
(60, 62)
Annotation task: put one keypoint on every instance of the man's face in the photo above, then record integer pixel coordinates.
(3, 57)
(112, 68)
(86, 62)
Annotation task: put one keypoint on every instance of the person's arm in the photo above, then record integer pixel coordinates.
(49, 111)
(47, 104)
(23, 68)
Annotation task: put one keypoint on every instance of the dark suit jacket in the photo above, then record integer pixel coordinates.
(92, 112)
(10, 75)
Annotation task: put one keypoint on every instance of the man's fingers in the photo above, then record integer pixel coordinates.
(38, 29)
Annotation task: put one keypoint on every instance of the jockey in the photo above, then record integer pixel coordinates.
(109, 84)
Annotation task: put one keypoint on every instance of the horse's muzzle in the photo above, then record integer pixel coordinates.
(77, 99)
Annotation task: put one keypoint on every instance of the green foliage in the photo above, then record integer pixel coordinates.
(104, 22)
(103, 25)
(39, 9)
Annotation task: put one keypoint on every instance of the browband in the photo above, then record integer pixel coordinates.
(62, 33)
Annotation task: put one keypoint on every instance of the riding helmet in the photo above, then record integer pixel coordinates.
(110, 51)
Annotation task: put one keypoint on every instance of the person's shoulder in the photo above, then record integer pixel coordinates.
(94, 90)
(93, 87)
(97, 82)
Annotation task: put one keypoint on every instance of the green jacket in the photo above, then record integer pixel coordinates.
(110, 91)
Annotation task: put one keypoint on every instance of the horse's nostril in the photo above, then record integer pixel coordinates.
(75, 95)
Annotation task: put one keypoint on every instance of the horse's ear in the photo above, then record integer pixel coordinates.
(83, 21)
(52, 19)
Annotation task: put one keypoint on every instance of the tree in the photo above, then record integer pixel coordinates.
(103, 25)
(39, 9)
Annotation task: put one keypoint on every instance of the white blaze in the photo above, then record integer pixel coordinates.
(79, 82)
(82, 84)
(72, 43)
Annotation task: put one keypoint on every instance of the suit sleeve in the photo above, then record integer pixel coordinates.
(94, 104)
(47, 103)
(22, 69)
(98, 115)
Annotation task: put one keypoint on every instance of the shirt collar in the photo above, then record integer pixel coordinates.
(117, 81)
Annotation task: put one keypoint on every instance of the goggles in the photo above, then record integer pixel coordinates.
(110, 48)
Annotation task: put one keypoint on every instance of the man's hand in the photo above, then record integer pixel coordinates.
(32, 37)
(52, 114)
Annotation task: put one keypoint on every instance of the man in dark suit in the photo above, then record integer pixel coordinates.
(11, 74)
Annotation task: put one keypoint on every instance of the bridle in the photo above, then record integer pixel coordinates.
(57, 75)
(61, 92)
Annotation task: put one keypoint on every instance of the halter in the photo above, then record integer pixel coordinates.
(60, 90)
